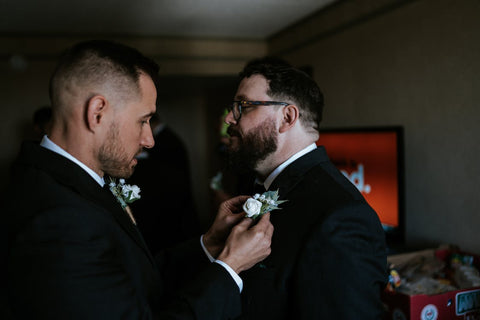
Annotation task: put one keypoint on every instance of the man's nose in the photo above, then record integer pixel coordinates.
(229, 119)
(147, 138)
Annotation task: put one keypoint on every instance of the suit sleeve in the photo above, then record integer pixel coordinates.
(206, 288)
(63, 267)
(212, 295)
(342, 269)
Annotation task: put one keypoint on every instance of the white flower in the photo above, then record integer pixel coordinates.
(131, 193)
(260, 204)
(124, 193)
(252, 207)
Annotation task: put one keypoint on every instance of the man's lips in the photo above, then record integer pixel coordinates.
(135, 160)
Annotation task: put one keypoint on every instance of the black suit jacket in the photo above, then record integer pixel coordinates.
(73, 253)
(328, 257)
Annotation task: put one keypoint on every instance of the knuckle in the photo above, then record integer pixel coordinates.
(260, 235)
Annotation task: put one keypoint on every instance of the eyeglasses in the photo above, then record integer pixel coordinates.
(237, 106)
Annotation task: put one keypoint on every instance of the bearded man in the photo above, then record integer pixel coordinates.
(73, 251)
(328, 256)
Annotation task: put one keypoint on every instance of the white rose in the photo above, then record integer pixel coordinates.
(252, 207)
(131, 192)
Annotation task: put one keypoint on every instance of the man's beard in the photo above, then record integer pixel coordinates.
(252, 147)
(113, 159)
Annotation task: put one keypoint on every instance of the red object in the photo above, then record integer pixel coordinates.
(458, 304)
(370, 159)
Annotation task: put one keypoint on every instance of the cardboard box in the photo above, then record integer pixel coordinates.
(455, 304)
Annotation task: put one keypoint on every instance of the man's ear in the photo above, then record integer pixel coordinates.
(290, 116)
(96, 108)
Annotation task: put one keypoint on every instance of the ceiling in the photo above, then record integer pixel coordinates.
(242, 19)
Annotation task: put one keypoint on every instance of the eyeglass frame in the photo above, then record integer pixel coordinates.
(249, 104)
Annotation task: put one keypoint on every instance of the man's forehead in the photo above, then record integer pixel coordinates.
(252, 88)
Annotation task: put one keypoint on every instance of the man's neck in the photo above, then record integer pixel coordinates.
(267, 178)
(71, 141)
(52, 146)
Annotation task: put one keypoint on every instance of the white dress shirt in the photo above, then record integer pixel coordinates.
(234, 275)
(50, 145)
(269, 180)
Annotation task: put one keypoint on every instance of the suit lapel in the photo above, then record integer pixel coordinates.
(71, 175)
(106, 199)
(295, 171)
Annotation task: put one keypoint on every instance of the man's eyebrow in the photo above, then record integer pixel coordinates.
(241, 97)
(149, 115)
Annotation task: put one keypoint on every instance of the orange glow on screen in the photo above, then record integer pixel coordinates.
(370, 161)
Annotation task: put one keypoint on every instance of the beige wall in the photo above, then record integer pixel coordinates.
(415, 64)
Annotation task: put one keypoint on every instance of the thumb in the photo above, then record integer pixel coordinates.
(235, 204)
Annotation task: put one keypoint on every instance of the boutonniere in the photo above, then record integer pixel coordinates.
(258, 205)
(125, 194)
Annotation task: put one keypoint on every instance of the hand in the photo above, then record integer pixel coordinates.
(248, 245)
(229, 214)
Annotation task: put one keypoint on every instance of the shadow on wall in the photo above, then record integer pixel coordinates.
(192, 106)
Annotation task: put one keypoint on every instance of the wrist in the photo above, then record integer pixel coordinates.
(211, 246)
(230, 260)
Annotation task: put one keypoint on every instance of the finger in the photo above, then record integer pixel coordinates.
(269, 231)
(237, 203)
(242, 198)
(264, 220)
(234, 205)
(238, 200)
(265, 225)
(244, 224)
(234, 218)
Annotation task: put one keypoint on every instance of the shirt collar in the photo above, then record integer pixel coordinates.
(50, 145)
(268, 182)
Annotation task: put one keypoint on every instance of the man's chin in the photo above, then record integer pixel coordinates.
(133, 163)
(121, 174)
(130, 172)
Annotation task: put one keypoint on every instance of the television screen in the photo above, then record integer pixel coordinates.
(372, 159)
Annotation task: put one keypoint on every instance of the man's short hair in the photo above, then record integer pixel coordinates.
(289, 84)
(98, 64)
